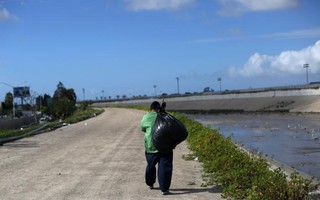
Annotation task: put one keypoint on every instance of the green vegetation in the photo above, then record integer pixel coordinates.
(6, 106)
(15, 133)
(78, 115)
(63, 102)
(241, 176)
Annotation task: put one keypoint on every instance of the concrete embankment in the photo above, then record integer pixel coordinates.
(298, 99)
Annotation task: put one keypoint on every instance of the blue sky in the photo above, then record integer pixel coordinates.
(126, 47)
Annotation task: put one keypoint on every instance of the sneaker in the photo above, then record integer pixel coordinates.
(166, 192)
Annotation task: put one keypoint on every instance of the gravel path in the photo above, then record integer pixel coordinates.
(101, 158)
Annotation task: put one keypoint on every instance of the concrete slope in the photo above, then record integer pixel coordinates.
(305, 98)
(210, 102)
(291, 103)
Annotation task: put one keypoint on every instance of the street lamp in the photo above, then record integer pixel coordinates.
(155, 90)
(13, 109)
(306, 66)
(84, 92)
(219, 79)
(102, 95)
(178, 84)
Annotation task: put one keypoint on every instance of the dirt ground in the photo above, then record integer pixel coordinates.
(101, 158)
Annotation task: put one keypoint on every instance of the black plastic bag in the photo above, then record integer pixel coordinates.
(167, 132)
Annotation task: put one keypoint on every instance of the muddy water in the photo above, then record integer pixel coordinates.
(293, 139)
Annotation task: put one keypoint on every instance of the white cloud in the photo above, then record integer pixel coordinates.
(254, 66)
(236, 7)
(6, 15)
(138, 5)
(255, 5)
(296, 34)
(305, 33)
(287, 62)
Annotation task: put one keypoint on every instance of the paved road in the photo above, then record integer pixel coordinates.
(101, 158)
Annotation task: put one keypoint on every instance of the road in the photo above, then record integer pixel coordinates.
(100, 158)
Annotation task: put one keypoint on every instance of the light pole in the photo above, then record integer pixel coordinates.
(178, 84)
(13, 109)
(155, 90)
(83, 92)
(219, 79)
(102, 94)
(306, 66)
(40, 102)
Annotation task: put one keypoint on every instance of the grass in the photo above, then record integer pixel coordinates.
(16, 133)
(79, 115)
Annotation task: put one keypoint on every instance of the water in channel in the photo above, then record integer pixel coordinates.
(293, 139)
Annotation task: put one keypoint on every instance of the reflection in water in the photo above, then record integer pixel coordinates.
(290, 139)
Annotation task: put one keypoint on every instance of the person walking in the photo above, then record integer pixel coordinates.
(153, 156)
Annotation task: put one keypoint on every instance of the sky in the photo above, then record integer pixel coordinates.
(105, 48)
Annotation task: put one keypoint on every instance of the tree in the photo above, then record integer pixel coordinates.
(63, 102)
(84, 105)
(44, 103)
(7, 105)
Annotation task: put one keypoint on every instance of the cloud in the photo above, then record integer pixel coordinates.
(296, 34)
(6, 15)
(139, 5)
(306, 33)
(237, 7)
(287, 62)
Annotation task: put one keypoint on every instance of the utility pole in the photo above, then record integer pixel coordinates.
(306, 66)
(178, 84)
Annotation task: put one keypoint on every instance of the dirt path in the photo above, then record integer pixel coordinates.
(101, 158)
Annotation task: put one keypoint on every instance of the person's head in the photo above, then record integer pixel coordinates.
(155, 106)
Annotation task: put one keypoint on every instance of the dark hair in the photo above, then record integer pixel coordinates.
(155, 105)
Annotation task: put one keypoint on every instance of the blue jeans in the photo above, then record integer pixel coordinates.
(164, 169)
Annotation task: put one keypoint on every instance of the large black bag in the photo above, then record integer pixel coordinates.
(167, 132)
